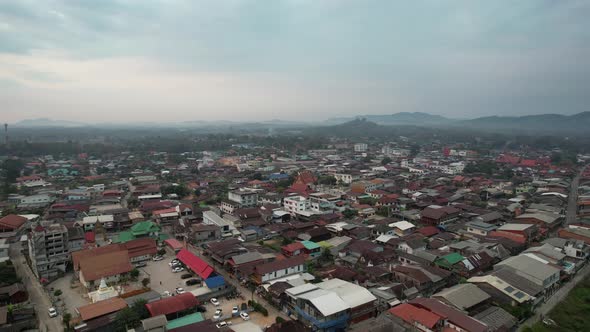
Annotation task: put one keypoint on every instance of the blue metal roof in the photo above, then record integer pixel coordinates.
(215, 282)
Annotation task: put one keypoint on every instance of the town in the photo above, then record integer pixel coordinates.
(395, 234)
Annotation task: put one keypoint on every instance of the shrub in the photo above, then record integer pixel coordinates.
(279, 320)
(57, 292)
(258, 307)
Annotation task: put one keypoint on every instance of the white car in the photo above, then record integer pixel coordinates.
(180, 290)
(244, 315)
(174, 262)
(218, 314)
(215, 302)
(166, 294)
(52, 312)
(177, 269)
(157, 258)
(235, 311)
(221, 325)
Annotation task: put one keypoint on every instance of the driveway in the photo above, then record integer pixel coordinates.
(162, 278)
(37, 295)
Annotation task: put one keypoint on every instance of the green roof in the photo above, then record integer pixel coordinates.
(324, 244)
(450, 259)
(125, 236)
(186, 320)
(144, 227)
(163, 237)
(310, 245)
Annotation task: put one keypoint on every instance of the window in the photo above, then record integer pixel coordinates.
(509, 289)
(519, 294)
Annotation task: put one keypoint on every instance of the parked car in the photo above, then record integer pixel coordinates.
(174, 262)
(221, 325)
(166, 294)
(218, 314)
(177, 269)
(52, 312)
(201, 308)
(215, 302)
(141, 264)
(179, 290)
(244, 306)
(192, 282)
(157, 258)
(244, 315)
(186, 276)
(235, 311)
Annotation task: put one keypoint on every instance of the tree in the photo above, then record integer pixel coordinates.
(125, 319)
(326, 256)
(327, 180)
(286, 241)
(368, 200)
(383, 211)
(139, 307)
(385, 161)
(134, 273)
(145, 282)
(256, 176)
(57, 292)
(66, 318)
(349, 213)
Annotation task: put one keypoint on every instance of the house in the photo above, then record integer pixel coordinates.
(402, 228)
(13, 294)
(278, 269)
(480, 228)
(204, 232)
(425, 279)
(439, 215)
(172, 306)
(417, 318)
(533, 270)
(330, 305)
(311, 249)
(11, 223)
(465, 297)
(140, 250)
(575, 232)
(525, 232)
(454, 319)
(501, 290)
(293, 249)
(543, 220)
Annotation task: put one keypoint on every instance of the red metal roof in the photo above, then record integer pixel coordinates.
(174, 244)
(412, 314)
(195, 263)
(12, 221)
(170, 305)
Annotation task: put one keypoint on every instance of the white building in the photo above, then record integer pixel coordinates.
(361, 147)
(296, 204)
(246, 198)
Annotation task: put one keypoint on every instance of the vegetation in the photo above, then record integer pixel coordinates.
(571, 314)
(180, 190)
(383, 211)
(385, 161)
(57, 292)
(258, 307)
(134, 273)
(66, 318)
(8, 274)
(327, 180)
(145, 282)
(349, 214)
(126, 319)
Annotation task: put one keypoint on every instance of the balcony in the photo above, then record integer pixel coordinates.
(340, 322)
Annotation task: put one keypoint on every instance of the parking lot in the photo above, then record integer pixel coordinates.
(162, 278)
(227, 305)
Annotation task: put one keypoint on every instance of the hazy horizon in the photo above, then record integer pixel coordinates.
(115, 61)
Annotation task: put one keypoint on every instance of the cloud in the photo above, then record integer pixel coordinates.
(291, 59)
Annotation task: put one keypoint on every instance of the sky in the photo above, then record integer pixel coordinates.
(302, 60)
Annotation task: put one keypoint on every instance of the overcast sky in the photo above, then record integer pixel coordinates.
(174, 60)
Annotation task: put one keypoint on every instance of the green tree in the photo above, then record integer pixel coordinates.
(383, 211)
(385, 161)
(349, 213)
(126, 319)
(66, 318)
(134, 273)
(145, 282)
(326, 256)
(139, 307)
(327, 180)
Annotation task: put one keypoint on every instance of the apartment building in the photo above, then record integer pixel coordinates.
(48, 250)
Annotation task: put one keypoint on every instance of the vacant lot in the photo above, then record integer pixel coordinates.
(570, 315)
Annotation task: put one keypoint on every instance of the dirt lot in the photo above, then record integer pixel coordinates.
(72, 297)
(162, 278)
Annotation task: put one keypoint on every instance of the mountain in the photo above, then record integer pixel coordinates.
(401, 118)
(45, 122)
(531, 123)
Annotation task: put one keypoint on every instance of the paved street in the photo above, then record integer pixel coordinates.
(573, 199)
(37, 295)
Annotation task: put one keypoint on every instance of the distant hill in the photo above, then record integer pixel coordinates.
(45, 122)
(542, 122)
(401, 118)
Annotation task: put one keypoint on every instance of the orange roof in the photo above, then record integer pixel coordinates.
(12, 221)
(169, 305)
(83, 255)
(101, 308)
(411, 314)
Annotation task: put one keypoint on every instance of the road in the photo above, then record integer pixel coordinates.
(243, 290)
(572, 203)
(37, 296)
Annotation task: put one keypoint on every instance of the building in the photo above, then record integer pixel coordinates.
(11, 223)
(245, 198)
(361, 147)
(330, 305)
(296, 204)
(465, 297)
(204, 232)
(278, 269)
(171, 307)
(48, 250)
(532, 269)
(439, 215)
(109, 266)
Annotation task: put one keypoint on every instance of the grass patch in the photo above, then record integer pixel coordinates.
(572, 314)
